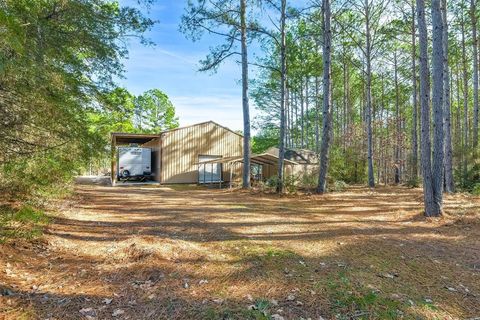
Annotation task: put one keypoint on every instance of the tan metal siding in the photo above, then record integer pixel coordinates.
(155, 146)
(181, 148)
(269, 171)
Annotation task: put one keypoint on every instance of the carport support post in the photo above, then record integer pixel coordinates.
(113, 147)
(231, 175)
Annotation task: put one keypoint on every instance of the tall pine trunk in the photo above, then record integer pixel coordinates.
(398, 133)
(383, 151)
(449, 182)
(438, 107)
(460, 142)
(465, 102)
(306, 113)
(245, 104)
(317, 116)
(425, 142)
(473, 17)
(414, 100)
(326, 121)
(302, 115)
(283, 82)
(287, 106)
(371, 178)
(344, 99)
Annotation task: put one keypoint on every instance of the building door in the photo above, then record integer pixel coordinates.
(209, 172)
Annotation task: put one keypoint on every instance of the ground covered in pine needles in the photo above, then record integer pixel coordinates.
(193, 253)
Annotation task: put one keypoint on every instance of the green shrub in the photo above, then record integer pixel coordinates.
(38, 178)
(349, 166)
(308, 180)
(469, 179)
(272, 183)
(290, 183)
(413, 182)
(472, 180)
(25, 223)
(337, 186)
(476, 189)
(305, 181)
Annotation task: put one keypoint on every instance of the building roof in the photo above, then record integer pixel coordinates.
(123, 137)
(301, 156)
(201, 123)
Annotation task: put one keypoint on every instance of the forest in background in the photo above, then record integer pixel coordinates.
(385, 91)
(393, 56)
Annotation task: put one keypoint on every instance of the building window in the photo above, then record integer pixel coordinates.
(209, 172)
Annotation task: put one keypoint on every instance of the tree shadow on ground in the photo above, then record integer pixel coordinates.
(164, 259)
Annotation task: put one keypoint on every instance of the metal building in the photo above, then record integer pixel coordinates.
(177, 154)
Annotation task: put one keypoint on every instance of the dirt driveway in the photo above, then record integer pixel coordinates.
(190, 253)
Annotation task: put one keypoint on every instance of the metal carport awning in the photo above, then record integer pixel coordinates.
(264, 158)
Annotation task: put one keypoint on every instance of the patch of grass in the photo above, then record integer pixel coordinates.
(213, 314)
(350, 299)
(428, 305)
(27, 214)
(25, 222)
(17, 313)
(279, 253)
(262, 305)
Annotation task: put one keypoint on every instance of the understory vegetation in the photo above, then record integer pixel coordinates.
(21, 223)
(304, 182)
(59, 101)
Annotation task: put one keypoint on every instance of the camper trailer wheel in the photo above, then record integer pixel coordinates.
(125, 173)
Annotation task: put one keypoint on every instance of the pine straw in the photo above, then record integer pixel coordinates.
(160, 253)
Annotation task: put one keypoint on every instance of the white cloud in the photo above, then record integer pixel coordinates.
(224, 109)
(188, 60)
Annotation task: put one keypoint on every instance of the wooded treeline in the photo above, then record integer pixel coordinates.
(59, 101)
(400, 98)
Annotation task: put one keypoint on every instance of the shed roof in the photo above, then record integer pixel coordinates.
(302, 156)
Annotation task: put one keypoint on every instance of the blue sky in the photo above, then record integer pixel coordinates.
(171, 66)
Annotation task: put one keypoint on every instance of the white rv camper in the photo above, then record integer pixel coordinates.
(134, 162)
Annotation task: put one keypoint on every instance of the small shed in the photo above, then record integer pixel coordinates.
(307, 160)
